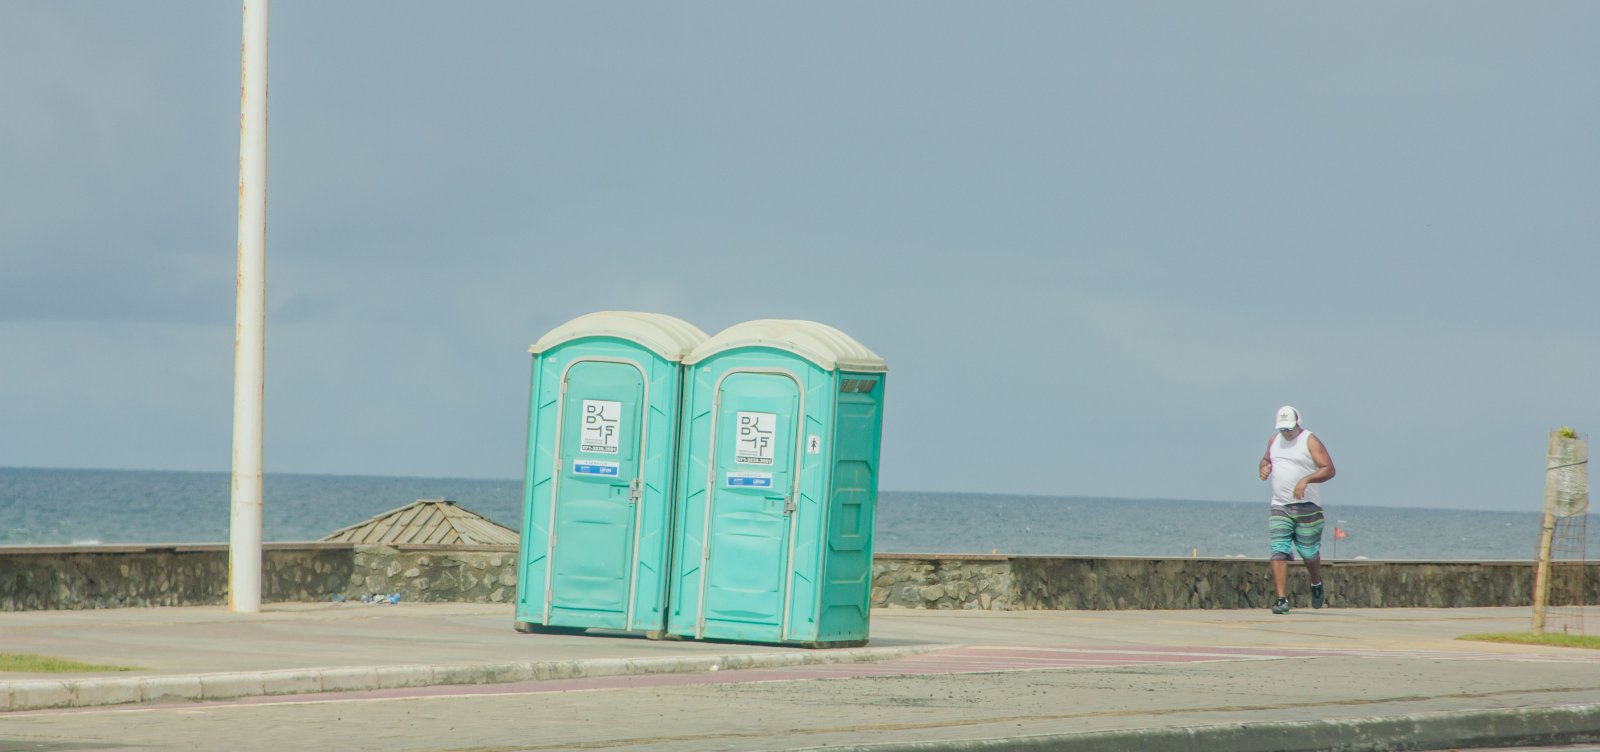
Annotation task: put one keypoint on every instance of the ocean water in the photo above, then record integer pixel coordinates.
(50, 507)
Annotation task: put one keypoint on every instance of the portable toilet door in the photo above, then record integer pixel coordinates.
(602, 442)
(777, 486)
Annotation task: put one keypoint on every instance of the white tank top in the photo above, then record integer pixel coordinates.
(1291, 461)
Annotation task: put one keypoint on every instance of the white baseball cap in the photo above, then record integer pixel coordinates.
(1288, 417)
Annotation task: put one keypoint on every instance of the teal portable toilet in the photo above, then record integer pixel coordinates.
(597, 496)
(777, 487)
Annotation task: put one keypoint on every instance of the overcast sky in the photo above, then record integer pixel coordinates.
(1097, 243)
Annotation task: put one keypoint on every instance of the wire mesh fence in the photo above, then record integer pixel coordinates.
(1568, 587)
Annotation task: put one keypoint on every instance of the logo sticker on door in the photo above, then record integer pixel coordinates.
(750, 480)
(601, 421)
(596, 467)
(755, 439)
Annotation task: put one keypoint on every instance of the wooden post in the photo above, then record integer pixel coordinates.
(1541, 574)
(1566, 493)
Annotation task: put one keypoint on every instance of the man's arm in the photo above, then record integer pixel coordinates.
(1266, 460)
(1325, 470)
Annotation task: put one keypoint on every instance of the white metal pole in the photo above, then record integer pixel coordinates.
(250, 329)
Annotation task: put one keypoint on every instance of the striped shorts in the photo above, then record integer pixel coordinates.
(1296, 527)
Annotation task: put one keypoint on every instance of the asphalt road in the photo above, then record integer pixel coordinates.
(805, 707)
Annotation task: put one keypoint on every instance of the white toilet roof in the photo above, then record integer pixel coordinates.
(670, 337)
(824, 345)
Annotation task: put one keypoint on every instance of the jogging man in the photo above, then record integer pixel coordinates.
(1294, 462)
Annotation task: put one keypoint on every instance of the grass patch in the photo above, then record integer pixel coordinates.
(1552, 639)
(44, 664)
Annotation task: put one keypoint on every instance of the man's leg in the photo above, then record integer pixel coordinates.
(1280, 528)
(1308, 541)
(1314, 568)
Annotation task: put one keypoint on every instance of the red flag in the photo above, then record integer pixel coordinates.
(1340, 534)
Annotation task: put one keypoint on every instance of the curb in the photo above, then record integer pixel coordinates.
(45, 694)
(1504, 727)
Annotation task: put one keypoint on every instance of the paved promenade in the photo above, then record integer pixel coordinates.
(456, 676)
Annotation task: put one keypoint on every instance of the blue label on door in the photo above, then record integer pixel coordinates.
(596, 467)
(750, 480)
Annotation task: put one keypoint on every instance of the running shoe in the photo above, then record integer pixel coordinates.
(1316, 595)
(1281, 607)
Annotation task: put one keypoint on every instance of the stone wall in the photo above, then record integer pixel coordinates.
(111, 577)
(943, 582)
(1111, 584)
(1000, 583)
(483, 574)
(76, 577)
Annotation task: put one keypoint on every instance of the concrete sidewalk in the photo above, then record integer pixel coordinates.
(1336, 678)
(207, 653)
